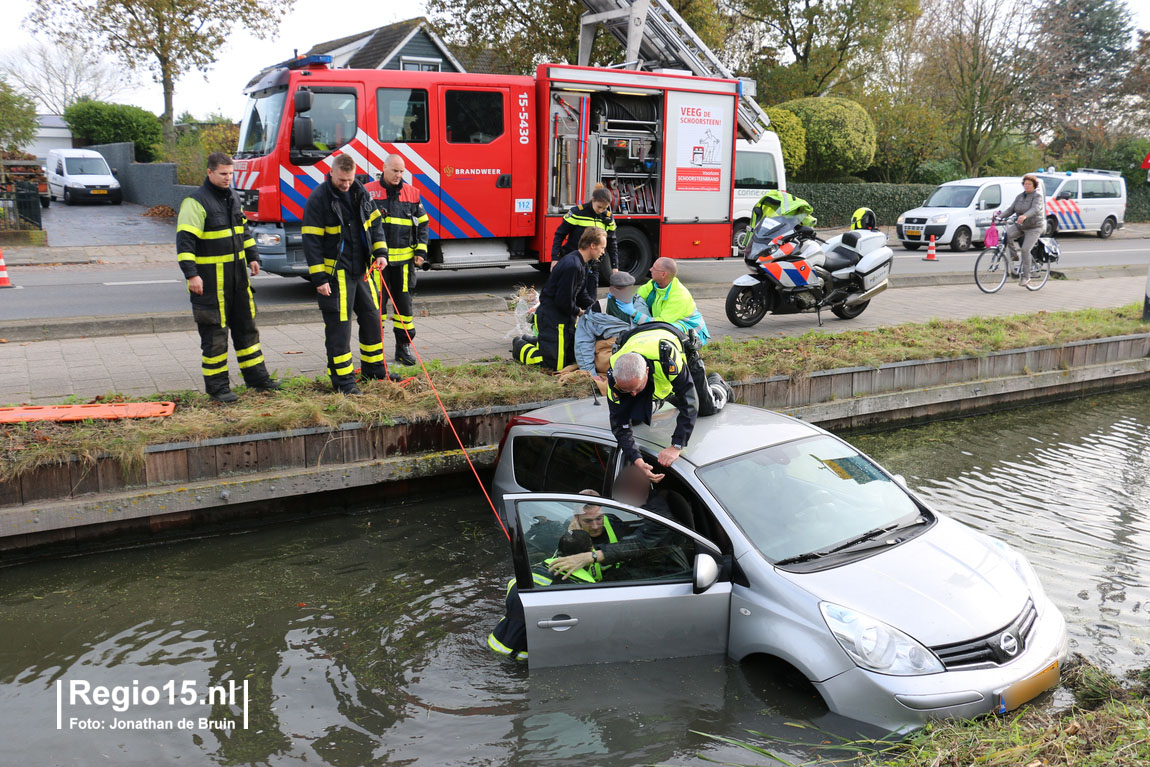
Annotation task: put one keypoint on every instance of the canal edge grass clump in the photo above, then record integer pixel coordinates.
(310, 403)
(1108, 725)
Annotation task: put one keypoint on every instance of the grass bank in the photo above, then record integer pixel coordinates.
(310, 402)
(1108, 725)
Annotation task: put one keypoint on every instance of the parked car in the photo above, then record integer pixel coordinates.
(1084, 200)
(788, 544)
(957, 213)
(81, 174)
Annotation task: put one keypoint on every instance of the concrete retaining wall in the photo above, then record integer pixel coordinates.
(144, 183)
(184, 483)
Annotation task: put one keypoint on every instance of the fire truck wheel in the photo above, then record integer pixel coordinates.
(634, 252)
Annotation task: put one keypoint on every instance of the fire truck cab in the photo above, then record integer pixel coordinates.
(497, 159)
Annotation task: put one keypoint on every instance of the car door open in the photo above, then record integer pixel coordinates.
(661, 594)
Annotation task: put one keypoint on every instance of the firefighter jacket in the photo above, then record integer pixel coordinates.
(563, 292)
(667, 376)
(327, 232)
(572, 226)
(212, 240)
(404, 220)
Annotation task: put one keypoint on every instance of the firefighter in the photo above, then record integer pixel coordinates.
(657, 362)
(346, 256)
(561, 302)
(216, 251)
(594, 212)
(405, 229)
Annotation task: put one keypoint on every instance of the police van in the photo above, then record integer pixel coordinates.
(1085, 200)
(758, 169)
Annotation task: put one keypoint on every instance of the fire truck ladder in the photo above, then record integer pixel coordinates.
(654, 35)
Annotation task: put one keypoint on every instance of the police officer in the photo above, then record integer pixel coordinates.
(346, 254)
(216, 251)
(594, 212)
(652, 363)
(405, 229)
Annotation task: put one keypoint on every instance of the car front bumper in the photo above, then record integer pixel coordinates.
(925, 232)
(96, 195)
(902, 703)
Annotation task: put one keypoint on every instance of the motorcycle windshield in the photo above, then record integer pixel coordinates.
(767, 229)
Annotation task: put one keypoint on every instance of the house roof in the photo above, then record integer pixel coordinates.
(332, 45)
(484, 61)
(382, 43)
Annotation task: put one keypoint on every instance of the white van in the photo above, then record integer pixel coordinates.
(758, 168)
(957, 213)
(1085, 200)
(81, 174)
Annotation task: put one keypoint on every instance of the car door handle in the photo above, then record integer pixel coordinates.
(559, 623)
(503, 182)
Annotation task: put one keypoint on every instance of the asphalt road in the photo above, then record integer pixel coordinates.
(104, 290)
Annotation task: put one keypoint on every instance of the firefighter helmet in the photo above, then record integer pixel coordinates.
(864, 218)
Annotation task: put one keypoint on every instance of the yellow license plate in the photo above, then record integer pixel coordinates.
(1028, 689)
(99, 191)
(914, 232)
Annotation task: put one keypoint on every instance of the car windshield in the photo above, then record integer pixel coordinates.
(261, 124)
(1049, 184)
(809, 495)
(951, 197)
(86, 166)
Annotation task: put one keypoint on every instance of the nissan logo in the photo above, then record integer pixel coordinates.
(1009, 644)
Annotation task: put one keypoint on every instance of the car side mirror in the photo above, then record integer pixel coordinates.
(116, 172)
(899, 479)
(706, 572)
(302, 133)
(301, 101)
(1067, 195)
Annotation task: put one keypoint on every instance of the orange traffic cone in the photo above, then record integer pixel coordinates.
(4, 281)
(931, 255)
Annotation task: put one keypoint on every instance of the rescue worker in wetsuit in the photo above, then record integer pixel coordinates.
(509, 638)
(405, 230)
(346, 256)
(561, 302)
(216, 252)
(653, 364)
(594, 212)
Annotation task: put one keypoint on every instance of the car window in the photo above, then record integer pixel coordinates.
(1069, 190)
(804, 496)
(59, 167)
(473, 117)
(402, 114)
(561, 464)
(641, 549)
(333, 117)
(87, 166)
(1092, 190)
(951, 197)
(755, 170)
(991, 197)
(1049, 184)
(1111, 189)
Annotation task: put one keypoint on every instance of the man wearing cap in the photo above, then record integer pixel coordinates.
(622, 306)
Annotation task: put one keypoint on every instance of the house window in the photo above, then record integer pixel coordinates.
(416, 64)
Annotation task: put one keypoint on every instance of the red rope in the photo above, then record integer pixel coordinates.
(405, 382)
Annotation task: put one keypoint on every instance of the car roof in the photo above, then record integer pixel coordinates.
(980, 180)
(76, 152)
(734, 430)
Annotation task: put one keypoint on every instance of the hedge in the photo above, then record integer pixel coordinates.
(834, 203)
(840, 136)
(101, 123)
(1138, 204)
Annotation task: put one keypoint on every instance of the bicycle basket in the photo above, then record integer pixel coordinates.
(991, 237)
(1045, 250)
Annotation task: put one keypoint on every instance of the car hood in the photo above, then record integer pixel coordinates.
(928, 212)
(947, 585)
(94, 180)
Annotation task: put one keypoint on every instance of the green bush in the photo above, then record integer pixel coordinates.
(840, 136)
(792, 137)
(1138, 203)
(939, 171)
(834, 203)
(101, 123)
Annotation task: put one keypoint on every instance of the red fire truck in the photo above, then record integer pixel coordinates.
(498, 159)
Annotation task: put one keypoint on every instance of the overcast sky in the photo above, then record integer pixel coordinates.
(310, 22)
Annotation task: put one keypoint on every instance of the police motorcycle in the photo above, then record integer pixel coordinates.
(792, 270)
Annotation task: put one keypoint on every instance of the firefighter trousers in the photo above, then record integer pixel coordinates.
(553, 347)
(239, 317)
(400, 282)
(352, 293)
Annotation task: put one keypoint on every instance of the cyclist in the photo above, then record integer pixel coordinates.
(1030, 208)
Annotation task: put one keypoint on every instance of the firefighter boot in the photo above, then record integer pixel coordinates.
(404, 355)
(219, 389)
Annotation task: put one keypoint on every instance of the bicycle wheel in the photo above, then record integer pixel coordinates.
(1039, 274)
(990, 270)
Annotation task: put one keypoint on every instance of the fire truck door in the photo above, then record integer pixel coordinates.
(475, 156)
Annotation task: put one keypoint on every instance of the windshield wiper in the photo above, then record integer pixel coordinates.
(864, 538)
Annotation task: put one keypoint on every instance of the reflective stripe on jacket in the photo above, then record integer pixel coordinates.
(212, 238)
(572, 226)
(404, 219)
(322, 230)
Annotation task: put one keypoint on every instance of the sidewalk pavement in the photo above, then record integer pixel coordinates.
(44, 372)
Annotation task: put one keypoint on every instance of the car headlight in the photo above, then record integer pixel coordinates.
(114, 185)
(941, 218)
(874, 645)
(1020, 565)
(74, 185)
(901, 219)
(267, 240)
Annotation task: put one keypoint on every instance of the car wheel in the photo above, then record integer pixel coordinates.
(912, 245)
(45, 202)
(1051, 227)
(117, 202)
(68, 198)
(1107, 228)
(634, 252)
(961, 241)
(737, 233)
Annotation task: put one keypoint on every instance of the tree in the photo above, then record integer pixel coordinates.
(18, 121)
(797, 48)
(57, 76)
(840, 136)
(792, 137)
(102, 123)
(530, 32)
(169, 37)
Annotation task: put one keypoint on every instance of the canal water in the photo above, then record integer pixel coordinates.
(361, 639)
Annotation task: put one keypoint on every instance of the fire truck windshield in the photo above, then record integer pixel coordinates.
(261, 123)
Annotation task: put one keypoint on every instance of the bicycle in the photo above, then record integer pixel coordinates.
(994, 264)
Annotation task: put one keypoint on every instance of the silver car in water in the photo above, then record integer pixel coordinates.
(783, 542)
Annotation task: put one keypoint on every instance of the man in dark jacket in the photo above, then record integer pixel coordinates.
(346, 255)
(405, 228)
(594, 212)
(216, 251)
(561, 302)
